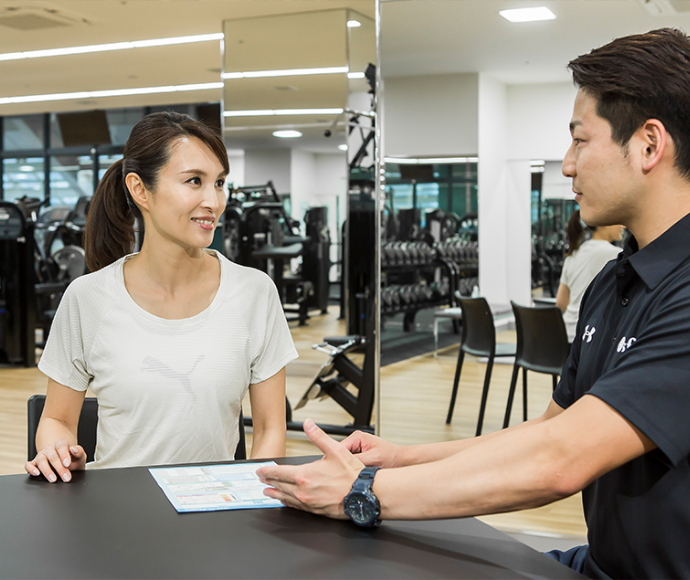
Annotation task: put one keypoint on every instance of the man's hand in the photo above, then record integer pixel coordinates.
(317, 487)
(372, 450)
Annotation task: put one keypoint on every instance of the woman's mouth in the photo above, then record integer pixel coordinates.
(204, 223)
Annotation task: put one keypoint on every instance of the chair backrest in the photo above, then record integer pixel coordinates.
(88, 427)
(86, 432)
(542, 341)
(478, 330)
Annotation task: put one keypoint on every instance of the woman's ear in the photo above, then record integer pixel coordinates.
(137, 190)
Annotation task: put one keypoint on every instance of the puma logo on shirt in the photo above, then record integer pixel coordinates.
(153, 365)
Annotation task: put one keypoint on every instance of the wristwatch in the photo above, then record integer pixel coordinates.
(361, 505)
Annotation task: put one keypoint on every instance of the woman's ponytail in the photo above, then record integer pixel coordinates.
(575, 232)
(109, 233)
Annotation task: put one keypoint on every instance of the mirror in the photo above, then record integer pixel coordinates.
(298, 126)
(462, 82)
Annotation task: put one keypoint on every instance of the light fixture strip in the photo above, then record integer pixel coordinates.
(111, 46)
(279, 112)
(109, 93)
(295, 72)
(533, 14)
(430, 161)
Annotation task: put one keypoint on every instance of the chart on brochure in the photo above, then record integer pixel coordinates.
(214, 487)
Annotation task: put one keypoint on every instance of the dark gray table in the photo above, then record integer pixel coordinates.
(117, 523)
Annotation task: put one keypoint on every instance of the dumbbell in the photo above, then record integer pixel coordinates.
(405, 295)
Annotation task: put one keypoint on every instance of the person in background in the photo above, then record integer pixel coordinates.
(171, 338)
(582, 263)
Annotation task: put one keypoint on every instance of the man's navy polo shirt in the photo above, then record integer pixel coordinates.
(632, 351)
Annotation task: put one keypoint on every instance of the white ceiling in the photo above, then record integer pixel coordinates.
(418, 37)
(446, 36)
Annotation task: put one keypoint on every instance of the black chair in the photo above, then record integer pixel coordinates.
(88, 426)
(478, 339)
(542, 347)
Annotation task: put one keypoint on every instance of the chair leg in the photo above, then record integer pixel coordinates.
(485, 395)
(555, 381)
(524, 394)
(458, 368)
(511, 394)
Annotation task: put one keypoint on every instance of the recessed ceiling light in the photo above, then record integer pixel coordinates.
(342, 147)
(355, 75)
(109, 93)
(287, 134)
(353, 24)
(26, 168)
(528, 14)
(111, 46)
(294, 72)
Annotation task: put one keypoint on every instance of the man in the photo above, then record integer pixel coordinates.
(617, 427)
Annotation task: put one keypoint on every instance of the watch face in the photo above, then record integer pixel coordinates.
(360, 508)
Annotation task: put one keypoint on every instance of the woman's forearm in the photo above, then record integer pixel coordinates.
(51, 430)
(267, 443)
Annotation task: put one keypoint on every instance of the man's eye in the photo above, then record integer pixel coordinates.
(220, 183)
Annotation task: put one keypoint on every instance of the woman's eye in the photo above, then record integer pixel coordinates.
(195, 181)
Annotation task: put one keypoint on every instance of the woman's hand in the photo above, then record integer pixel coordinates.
(57, 458)
(372, 450)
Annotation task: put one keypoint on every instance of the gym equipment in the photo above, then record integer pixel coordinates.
(336, 375)
(259, 233)
(17, 291)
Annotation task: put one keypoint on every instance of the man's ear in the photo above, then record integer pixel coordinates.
(654, 141)
(137, 190)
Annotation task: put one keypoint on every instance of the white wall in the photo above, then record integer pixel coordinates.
(262, 165)
(504, 203)
(236, 160)
(302, 181)
(431, 115)
(538, 118)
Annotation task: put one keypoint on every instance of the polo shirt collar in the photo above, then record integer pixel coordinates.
(661, 256)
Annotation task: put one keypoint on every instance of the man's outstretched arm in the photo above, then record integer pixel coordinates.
(523, 468)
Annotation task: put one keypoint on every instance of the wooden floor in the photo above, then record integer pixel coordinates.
(414, 401)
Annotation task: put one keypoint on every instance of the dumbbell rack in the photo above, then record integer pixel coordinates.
(416, 276)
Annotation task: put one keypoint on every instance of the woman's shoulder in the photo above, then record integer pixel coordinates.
(95, 286)
(239, 274)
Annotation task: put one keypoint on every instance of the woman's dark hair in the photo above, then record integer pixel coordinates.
(641, 77)
(109, 233)
(575, 232)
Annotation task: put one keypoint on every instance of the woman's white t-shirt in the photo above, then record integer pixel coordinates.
(578, 272)
(169, 391)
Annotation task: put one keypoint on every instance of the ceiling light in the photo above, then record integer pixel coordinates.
(275, 112)
(26, 168)
(353, 24)
(293, 72)
(528, 14)
(109, 93)
(111, 46)
(537, 162)
(287, 134)
(342, 147)
(355, 75)
(429, 161)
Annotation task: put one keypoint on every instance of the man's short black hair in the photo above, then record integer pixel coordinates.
(641, 77)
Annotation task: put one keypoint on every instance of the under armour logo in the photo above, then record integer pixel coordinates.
(625, 343)
(587, 336)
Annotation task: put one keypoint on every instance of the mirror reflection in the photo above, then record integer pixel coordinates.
(476, 113)
(298, 125)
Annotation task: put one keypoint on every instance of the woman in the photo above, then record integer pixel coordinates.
(168, 339)
(582, 263)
